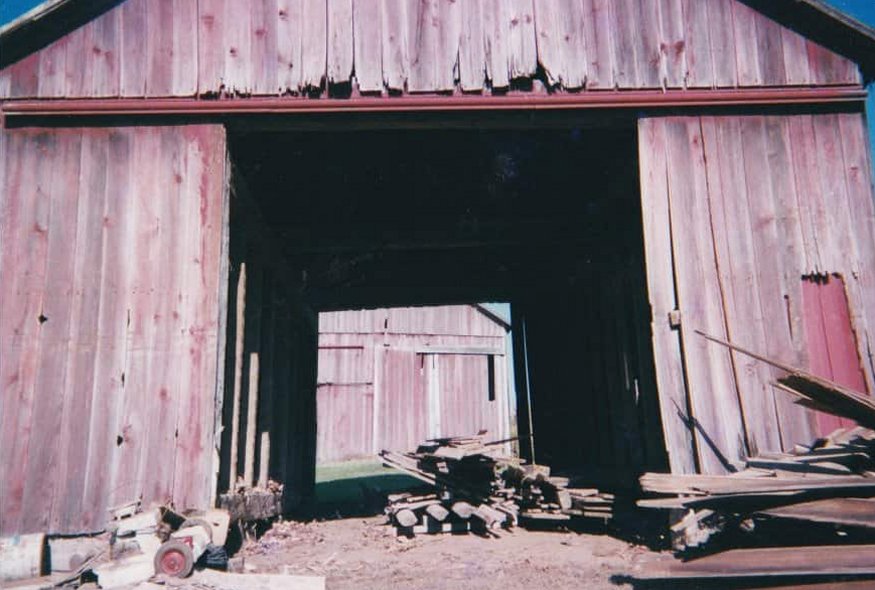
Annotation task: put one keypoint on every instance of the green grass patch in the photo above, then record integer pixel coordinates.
(358, 487)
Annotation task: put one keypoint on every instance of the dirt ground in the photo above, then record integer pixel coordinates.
(364, 553)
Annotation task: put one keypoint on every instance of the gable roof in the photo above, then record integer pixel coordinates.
(491, 45)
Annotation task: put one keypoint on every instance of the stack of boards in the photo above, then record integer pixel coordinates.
(475, 488)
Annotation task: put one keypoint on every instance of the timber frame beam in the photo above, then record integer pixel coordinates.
(531, 101)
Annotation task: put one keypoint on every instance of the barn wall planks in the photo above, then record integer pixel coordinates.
(108, 339)
(374, 382)
(762, 230)
(278, 47)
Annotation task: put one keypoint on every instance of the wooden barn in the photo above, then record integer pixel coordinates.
(391, 378)
(186, 184)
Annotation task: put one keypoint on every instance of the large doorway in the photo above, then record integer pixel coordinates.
(548, 220)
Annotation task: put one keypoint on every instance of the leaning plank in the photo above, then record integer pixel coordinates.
(841, 511)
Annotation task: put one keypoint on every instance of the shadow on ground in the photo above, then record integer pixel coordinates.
(358, 488)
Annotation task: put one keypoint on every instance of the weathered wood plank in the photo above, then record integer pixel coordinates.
(29, 179)
(794, 422)
(626, 29)
(770, 51)
(340, 41)
(265, 47)
(314, 34)
(599, 44)
(700, 69)
(672, 45)
(238, 37)
(204, 161)
(656, 216)
(395, 43)
(651, 67)
(132, 58)
(368, 36)
(738, 273)
(289, 45)
(796, 67)
(828, 68)
(52, 70)
(720, 30)
(67, 510)
(809, 205)
(449, 37)
(423, 22)
(111, 331)
(496, 49)
(158, 33)
(104, 58)
(715, 410)
(858, 176)
(549, 31)
(747, 52)
(211, 46)
(472, 46)
(43, 464)
(78, 44)
(522, 48)
(184, 47)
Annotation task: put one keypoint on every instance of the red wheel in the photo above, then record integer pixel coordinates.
(174, 558)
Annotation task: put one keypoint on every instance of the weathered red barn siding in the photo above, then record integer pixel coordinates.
(379, 386)
(184, 48)
(737, 210)
(109, 282)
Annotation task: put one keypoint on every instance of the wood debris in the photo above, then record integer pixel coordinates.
(476, 488)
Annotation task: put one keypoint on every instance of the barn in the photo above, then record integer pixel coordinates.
(187, 184)
(392, 378)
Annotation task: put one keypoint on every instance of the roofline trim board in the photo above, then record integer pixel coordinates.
(627, 99)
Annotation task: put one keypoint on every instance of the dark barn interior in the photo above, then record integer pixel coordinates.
(549, 220)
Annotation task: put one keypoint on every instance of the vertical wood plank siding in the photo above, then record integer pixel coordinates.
(108, 333)
(372, 385)
(278, 47)
(743, 238)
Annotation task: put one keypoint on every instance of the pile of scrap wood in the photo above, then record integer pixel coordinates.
(476, 488)
(831, 481)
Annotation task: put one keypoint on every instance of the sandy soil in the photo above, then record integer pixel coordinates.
(365, 553)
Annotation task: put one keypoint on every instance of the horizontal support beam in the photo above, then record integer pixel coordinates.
(464, 350)
(595, 99)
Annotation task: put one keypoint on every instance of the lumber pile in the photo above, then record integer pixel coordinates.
(831, 482)
(476, 488)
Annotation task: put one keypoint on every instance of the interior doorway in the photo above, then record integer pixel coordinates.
(546, 219)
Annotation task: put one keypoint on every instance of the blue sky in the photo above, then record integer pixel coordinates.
(863, 10)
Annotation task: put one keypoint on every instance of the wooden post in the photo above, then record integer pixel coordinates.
(251, 420)
(238, 374)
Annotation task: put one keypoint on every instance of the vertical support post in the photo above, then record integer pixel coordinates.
(238, 374)
(251, 419)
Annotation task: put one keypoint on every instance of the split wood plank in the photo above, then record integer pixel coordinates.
(747, 52)
(700, 73)
(395, 43)
(289, 40)
(423, 22)
(29, 178)
(111, 328)
(368, 35)
(103, 66)
(858, 177)
(238, 65)
(314, 35)
(84, 302)
(472, 46)
(722, 49)
(497, 53)
(43, 461)
(132, 56)
(548, 28)
(715, 411)
(449, 37)
(738, 276)
(211, 45)
(520, 38)
(673, 46)
(265, 47)
(340, 41)
(656, 214)
(626, 29)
